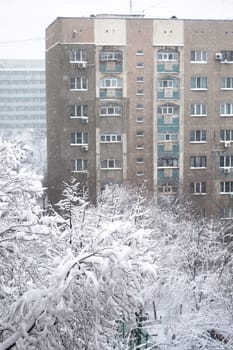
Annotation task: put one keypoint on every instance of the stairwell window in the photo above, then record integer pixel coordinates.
(199, 83)
(78, 83)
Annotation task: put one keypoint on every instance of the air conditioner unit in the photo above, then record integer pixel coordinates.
(231, 195)
(84, 120)
(227, 170)
(82, 64)
(227, 144)
(84, 148)
(218, 56)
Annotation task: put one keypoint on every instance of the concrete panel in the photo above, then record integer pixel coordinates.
(109, 31)
(168, 32)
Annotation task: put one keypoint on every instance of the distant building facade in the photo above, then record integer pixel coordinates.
(132, 100)
(22, 94)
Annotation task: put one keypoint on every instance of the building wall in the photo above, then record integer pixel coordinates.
(144, 95)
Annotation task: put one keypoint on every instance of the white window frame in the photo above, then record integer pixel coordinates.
(140, 146)
(139, 119)
(140, 173)
(139, 53)
(140, 133)
(167, 55)
(80, 138)
(198, 188)
(202, 160)
(227, 135)
(165, 163)
(198, 110)
(78, 55)
(111, 164)
(139, 160)
(139, 92)
(168, 83)
(227, 213)
(76, 166)
(199, 83)
(80, 111)
(198, 56)
(114, 110)
(167, 136)
(227, 83)
(111, 83)
(110, 138)
(226, 161)
(79, 83)
(110, 55)
(198, 136)
(226, 109)
(226, 187)
(139, 65)
(168, 109)
(140, 79)
(139, 106)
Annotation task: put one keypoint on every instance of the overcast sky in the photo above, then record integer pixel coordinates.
(23, 22)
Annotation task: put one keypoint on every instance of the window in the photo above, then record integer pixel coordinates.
(140, 172)
(139, 52)
(110, 110)
(226, 135)
(140, 133)
(198, 162)
(198, 110)
(139, 106)
(227, 83)
(167, 56)
(79, 165)
(168, 83)
(79, 138)
(226, 109)
(167, 136)
(198, 136)
(78, 111)
(227, 213)
(110, 56)
(140, 79)
(140, 119)
(168, 109)
(139, 160)
(79, 55)
(140, 92)
(199, 83)
(111, 82)
(140, 146)
(199, 56)
(226, 161)
(105, 138)
(226, 187)
(168, 162)
(198, 187)
(78, 83)
(227, 55)
(110, 164)
(140, 65)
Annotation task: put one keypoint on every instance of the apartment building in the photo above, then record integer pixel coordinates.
(134, 100)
